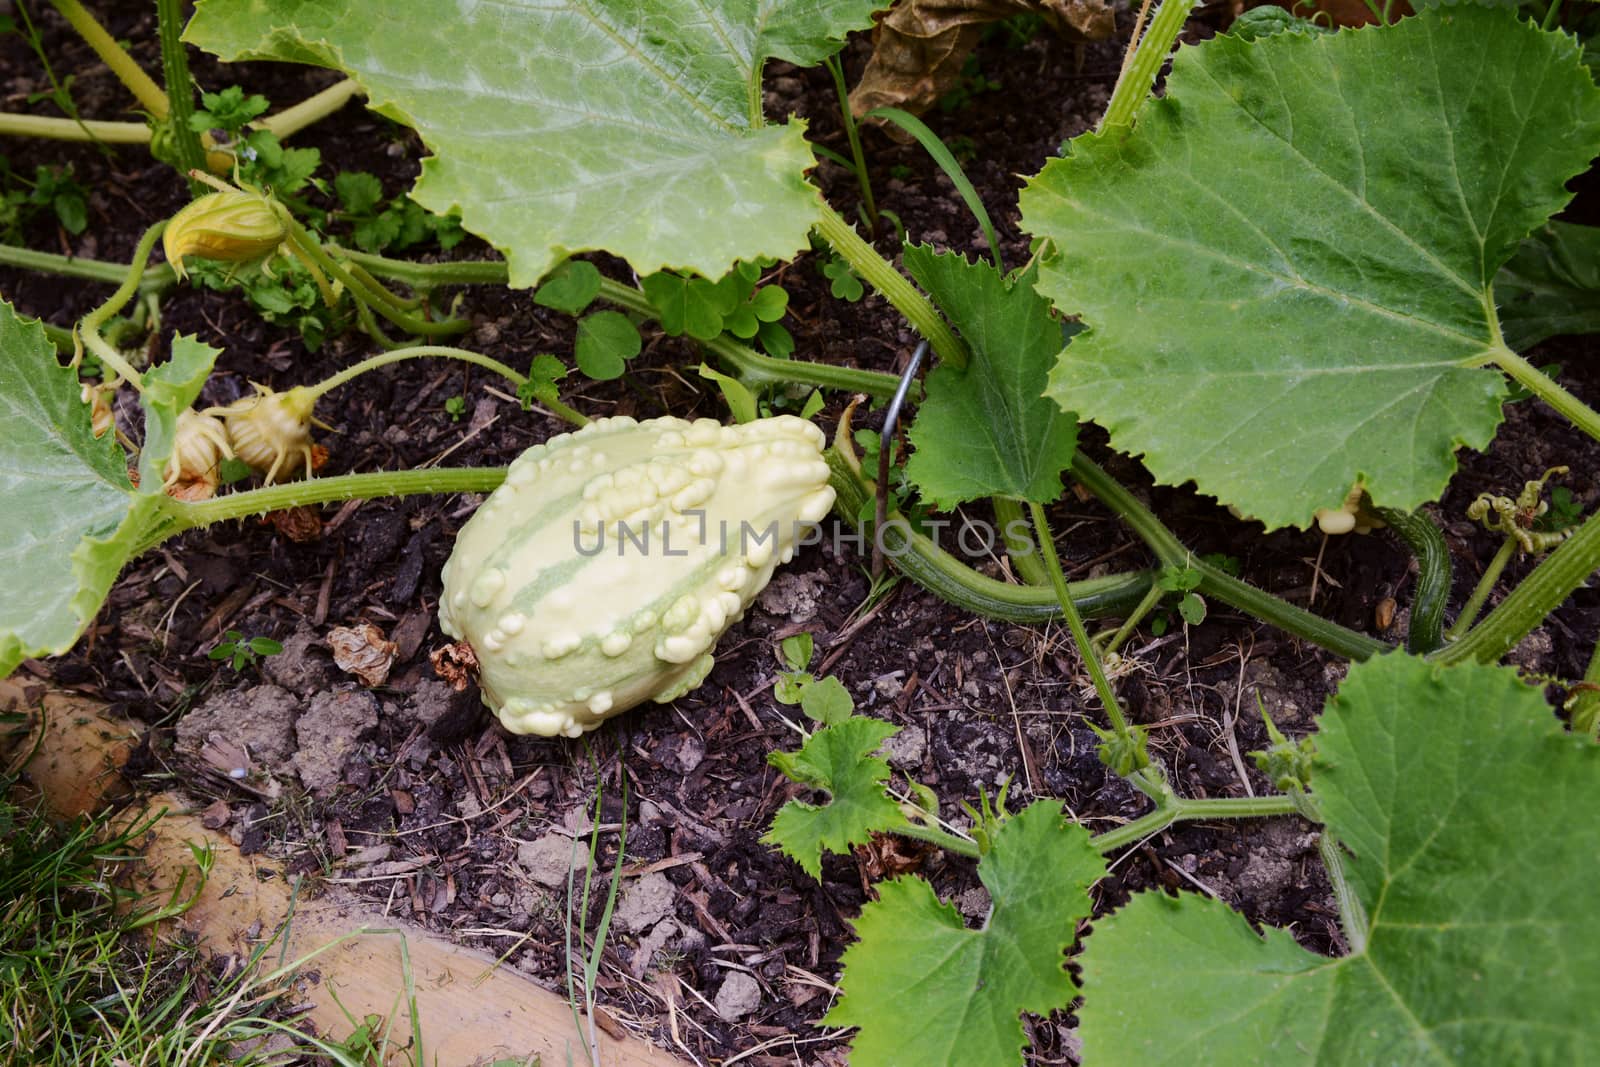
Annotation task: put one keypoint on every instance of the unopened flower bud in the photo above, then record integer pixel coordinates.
(232, 227)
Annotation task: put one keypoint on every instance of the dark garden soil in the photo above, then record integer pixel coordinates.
(409, 794)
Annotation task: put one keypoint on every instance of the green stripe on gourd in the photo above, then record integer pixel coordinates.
(565, 636)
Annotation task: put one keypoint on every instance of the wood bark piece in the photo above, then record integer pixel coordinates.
(471, 1012)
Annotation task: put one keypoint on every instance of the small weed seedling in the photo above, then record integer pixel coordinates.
(243, 651)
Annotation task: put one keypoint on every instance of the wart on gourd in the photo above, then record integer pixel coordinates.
(691, 519)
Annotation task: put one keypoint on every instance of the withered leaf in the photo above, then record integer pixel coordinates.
(919, 47)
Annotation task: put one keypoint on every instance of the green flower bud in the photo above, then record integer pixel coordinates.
(233, 227)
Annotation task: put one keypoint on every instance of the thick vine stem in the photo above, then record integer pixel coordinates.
(1178, 810)
(1230, 590)
(332, 489)
(1352, 916)
(312, 109)
(1572, 563)
(141, 85)
(155, 280)
(881, 275)
(180, 87)
(1139, 74)
(1547, 389)
(1020, 549)
(47, 127)
(931, 567)
(1422, 537)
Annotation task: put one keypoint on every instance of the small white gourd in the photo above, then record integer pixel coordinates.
(602, 572)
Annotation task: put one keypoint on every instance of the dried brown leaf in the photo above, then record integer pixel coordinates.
(363, 651)
(920, 46)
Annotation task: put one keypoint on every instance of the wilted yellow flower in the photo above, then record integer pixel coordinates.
(233, 227)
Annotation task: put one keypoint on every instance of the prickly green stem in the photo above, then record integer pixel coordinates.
(1139, 74)
(1230, 590)
(1178, 810)
(1020, 549)
(925, 563)
(369, 294)
(180, 88)
(140, 84)
(156, 279)
(338, 487)
(1547, 389)
(882, 276)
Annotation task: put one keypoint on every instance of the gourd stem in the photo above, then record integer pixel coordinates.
(1177, 810)
(94, 131)
(191, 154)
(308, 246)
(1139, 73)
(140, 84)
(428, 275)
(339, 487)
(881, 275)
(157, 278)
(1422, 537)
(1020, 549)
(961, 846)
(1481, 591)
(920, 559)
(1080, 636)
(1213, 580)
(314, 108)
(1352, 916)
(415, 352)
(394, 300)
(1572, 563)
(1547, 389)
(89, 327)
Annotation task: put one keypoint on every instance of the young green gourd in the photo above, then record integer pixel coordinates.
(602, 572)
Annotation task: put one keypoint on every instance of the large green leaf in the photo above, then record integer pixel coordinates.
(927, 990)
(988, 429)
(66, 494)
(1285, 266)
(1466, 811)
(1551, 286)
(565, 125)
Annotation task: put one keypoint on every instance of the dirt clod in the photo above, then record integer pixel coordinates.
(329, 733)
(739, 996)
(303, 666)
(644, 903)
(261, 719)
(550, 859)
